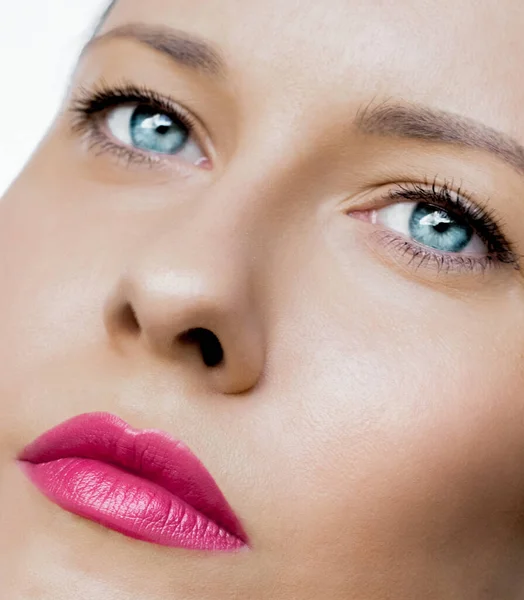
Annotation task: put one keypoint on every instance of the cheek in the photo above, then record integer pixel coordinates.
(387, 421)
(62, 248)
(403, 418)
(52, 274)
(60, 256)
(372, 470)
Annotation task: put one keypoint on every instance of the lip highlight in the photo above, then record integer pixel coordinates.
(143, 484)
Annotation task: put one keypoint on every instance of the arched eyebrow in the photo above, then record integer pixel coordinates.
(389, 119)
(413, 121)
(180, 47)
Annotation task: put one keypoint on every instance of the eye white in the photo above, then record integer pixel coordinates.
(395, 216)
(119, 123)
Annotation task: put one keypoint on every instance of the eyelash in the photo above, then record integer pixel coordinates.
(90, 106)
(486, 224)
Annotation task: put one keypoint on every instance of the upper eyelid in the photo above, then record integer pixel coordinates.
(91, 102)
(455, 199)
(458, 200)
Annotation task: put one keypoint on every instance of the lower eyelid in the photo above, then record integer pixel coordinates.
(101, 142)
(415, 257)
(397, 250)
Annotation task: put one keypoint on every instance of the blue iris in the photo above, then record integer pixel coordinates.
(437, 229)
(157, 132)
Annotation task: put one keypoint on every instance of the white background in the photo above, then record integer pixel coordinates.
(39, 43)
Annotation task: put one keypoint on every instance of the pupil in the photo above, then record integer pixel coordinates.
(441, 227)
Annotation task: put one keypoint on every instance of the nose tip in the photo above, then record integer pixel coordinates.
(207, 325)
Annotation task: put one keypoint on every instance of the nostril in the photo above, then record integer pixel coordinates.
(129, 320)
(208, 343)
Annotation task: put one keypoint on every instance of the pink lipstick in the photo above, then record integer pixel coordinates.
(143, 484)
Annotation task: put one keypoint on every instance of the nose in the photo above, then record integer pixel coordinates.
(191, 302)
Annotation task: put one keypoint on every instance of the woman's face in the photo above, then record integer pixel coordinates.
(335, 192)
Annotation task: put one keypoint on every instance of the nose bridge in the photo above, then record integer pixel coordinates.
(218, 233)
(236, 219)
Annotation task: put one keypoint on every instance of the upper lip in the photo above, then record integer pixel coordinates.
(148, 453)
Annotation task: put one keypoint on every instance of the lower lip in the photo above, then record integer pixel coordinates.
(128, 504)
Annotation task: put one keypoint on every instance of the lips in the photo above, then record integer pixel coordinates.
(143, 484)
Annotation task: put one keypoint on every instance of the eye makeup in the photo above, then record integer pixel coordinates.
(90, 109)
(453, 207)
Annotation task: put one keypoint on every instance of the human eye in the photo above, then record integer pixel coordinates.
(436, 227)
(137, 124)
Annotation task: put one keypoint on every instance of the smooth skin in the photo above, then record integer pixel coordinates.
(367, 422)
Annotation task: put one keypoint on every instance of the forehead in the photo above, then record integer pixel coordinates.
(464, 57)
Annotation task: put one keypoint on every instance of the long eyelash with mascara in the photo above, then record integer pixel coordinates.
(486, 224)
(90, 106)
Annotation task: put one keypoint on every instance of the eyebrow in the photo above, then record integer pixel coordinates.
(413, 121)
(410, 121)
(180, 47)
